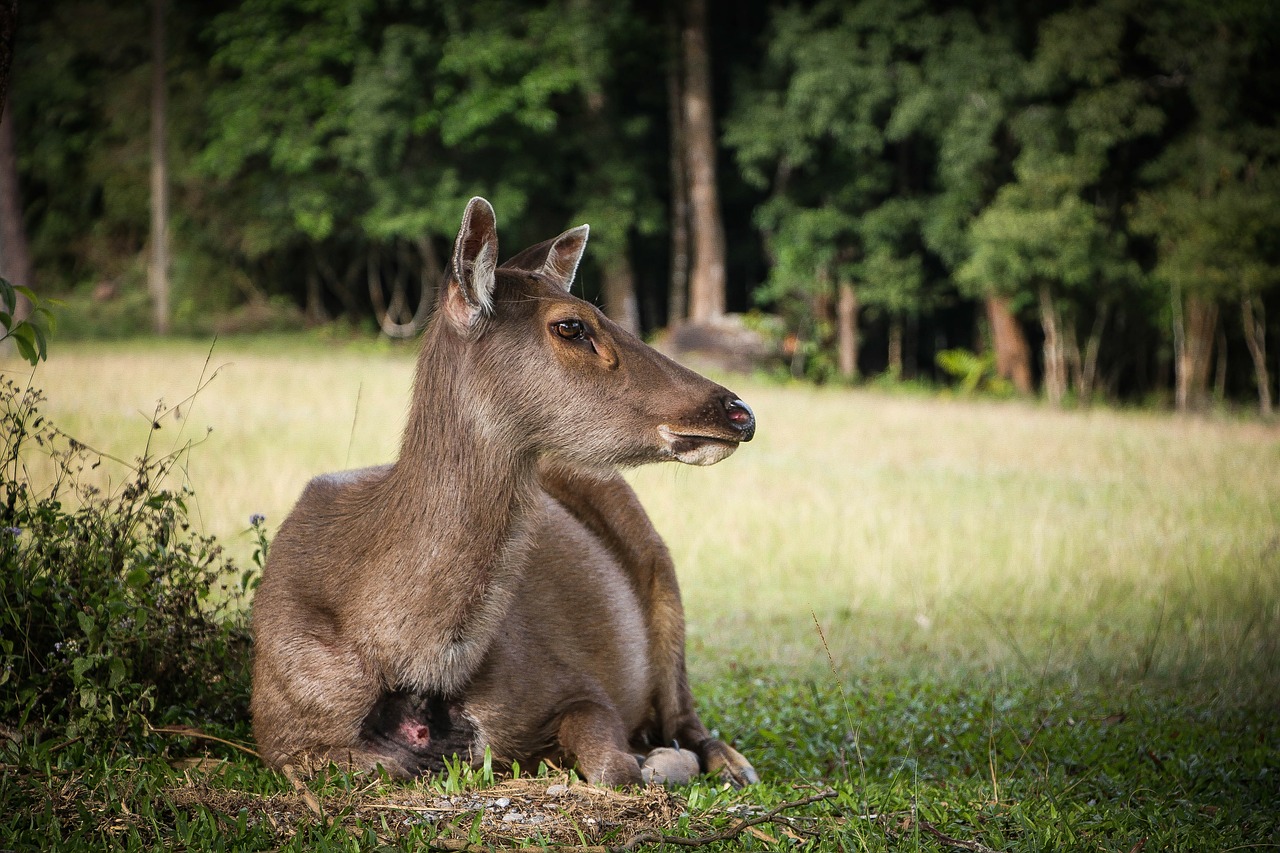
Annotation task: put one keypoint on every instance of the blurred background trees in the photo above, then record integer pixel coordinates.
(1085, 195)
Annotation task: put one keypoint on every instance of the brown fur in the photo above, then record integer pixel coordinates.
(498, 586)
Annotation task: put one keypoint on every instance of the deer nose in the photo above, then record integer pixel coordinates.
(741, 417)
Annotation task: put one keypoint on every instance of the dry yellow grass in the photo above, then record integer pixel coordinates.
(938, 532)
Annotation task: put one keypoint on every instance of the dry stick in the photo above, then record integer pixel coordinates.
(975, 846)
(308, 796)
(188, 731)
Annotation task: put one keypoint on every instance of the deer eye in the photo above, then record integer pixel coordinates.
(570, 330)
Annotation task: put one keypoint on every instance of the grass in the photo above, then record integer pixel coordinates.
(975, 621)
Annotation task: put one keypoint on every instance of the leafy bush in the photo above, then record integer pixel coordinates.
(974, 372)
(114, 612)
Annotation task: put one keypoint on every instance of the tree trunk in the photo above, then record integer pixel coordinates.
(396, 319)
(1087, 377)
(158, 269)
(315, 313)
(1013, 355)
(15, 253)
(678, 298)
(895, 346)
(1072, 362)
(431, 271)
(1195, 320)
(1055, 362)
(847, 330)
(707, 279)
(911, 337)
(1220, 380)
(1255, 335)
(8, 26)
(619, 292)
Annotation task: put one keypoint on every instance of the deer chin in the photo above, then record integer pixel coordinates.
(696, 448)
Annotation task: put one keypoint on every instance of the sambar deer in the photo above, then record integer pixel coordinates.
(499, 586)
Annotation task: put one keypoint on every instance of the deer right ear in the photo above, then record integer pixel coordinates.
(562, 260)
(473, 267)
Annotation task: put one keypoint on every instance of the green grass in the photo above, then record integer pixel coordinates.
(1028, 628)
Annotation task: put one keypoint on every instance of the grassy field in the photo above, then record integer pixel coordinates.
(976, 621)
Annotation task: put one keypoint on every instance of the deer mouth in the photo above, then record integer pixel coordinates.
(695, 448)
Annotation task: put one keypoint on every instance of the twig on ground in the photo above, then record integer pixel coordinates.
(188, 731)
(975, 846)
(63, 745)
(308, 796)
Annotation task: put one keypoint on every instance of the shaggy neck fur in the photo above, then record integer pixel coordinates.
(466, 494)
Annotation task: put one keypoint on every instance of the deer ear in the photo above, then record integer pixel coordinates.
(566, 251)
(555, 259)
(473, 266)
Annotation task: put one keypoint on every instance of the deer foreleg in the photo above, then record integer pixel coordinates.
(592, 734)
(608, 506)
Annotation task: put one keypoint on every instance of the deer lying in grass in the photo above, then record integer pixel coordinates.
(499, 586)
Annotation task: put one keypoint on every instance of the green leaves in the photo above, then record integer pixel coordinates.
(874, 127)
(30, 334)
(377, 121)
(111, 608)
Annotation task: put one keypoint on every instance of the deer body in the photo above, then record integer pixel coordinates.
(498, 585)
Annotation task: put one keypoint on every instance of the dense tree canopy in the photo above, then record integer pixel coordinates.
(1088, 191)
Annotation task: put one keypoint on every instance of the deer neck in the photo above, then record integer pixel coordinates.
(463, 497)
(459, 468)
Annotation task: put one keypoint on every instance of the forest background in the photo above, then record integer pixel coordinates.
(1072, 199)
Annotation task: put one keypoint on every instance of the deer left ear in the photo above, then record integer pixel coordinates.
(566, 251)
(555, 259)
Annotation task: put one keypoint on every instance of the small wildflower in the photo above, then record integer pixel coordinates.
(256, 519)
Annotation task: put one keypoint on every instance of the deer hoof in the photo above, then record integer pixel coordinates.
(667, 766)
(729, 764)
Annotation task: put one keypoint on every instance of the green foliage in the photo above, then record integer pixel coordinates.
(116, 614)
(973, 371)
(1111, 154)
(1018, 764)
(874, 126)
(1211, 208)
(1056, 223)
(30, 334)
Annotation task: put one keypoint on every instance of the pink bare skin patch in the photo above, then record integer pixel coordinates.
(415, 733)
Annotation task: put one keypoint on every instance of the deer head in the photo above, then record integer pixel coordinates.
(552, 376)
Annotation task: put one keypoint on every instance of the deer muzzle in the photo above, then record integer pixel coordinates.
(708, 443)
